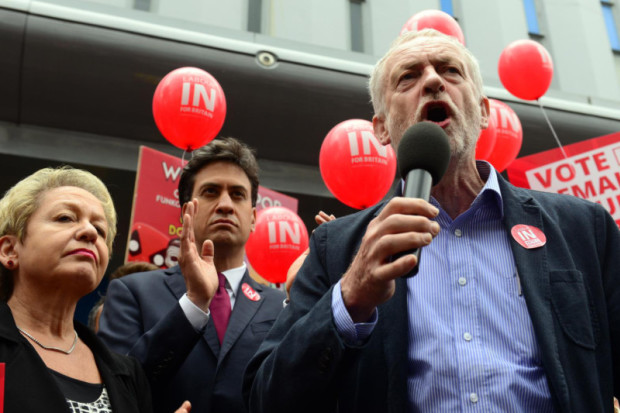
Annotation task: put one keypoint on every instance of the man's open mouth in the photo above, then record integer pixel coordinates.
(436, 112)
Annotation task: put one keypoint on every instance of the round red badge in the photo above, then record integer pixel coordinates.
(528, 236)
(250, 292)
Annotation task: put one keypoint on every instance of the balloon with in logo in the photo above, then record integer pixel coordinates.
(509, 135)
(279, 237)
(356, 168)
(189, 107)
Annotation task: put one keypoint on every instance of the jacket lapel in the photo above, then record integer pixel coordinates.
(395, 343)
(533, 271)
(176, 284)
(242, 314)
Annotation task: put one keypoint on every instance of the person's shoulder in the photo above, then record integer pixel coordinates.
(565, 202)
(348, 227)
(271, 293)
(138, 278)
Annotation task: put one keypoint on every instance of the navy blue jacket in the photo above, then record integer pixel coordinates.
(571, 286)
(30, 387)
(142, 317)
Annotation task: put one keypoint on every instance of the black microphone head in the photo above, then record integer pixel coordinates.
(424, 146)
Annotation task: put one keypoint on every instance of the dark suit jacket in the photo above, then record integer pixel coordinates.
(30, 387)
(571, 287)
(142, 317)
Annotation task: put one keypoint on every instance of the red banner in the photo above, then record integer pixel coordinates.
(591, 170)
(156, 214)
(2, 365)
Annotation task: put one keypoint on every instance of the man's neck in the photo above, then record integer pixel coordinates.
(458, 188)
(226, 260)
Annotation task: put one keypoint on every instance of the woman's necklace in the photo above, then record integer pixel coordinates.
(51, 348)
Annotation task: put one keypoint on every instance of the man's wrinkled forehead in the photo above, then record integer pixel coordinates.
(422, 48)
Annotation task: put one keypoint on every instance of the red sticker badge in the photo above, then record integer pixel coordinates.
(528, 236)
(249, 292)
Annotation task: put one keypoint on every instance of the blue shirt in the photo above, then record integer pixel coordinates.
(471, 341)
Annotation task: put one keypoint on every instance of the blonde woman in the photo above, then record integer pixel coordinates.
(56, 233)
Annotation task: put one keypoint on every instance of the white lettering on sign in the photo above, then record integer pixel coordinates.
(171, 171)
(200, 92)
(367, 139)
(266, 201)
(507, 120)
(294, 232)
(592, 175)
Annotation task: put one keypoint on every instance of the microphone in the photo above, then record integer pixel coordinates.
(423, 157)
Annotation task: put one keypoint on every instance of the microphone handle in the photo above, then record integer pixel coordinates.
(417, 185)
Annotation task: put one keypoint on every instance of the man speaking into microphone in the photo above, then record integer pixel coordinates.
(515, 306)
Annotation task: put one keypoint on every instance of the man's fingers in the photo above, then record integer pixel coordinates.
(397, 268)
(394, 244)
(409, 206)
(208, 250)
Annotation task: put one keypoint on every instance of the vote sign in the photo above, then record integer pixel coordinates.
(591, 171)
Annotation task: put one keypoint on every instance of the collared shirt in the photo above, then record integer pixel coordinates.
(471, 341)
(198, 318)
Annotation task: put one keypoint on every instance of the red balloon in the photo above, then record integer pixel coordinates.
(486, 140)
(189, 107)
(434, 19)
(509, 135)
(355, 166)
(525, 69)
(279, 237)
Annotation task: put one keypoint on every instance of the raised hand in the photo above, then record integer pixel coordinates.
(198, 269)
(186, 407)
(322, 217)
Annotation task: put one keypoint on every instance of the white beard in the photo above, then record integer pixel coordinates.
(463, 130)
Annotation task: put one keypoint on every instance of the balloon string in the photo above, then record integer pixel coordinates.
(551, 127)
(183, 158)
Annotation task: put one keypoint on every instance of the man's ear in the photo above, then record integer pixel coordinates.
(381, 132)
(8, 252)
(253, 227)
(485, 111)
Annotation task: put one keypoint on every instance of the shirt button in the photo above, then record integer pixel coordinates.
(467, 337)
(473, 397)
(458, 232)
(462, 281)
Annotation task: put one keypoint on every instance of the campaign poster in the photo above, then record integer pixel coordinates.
(156, 213)
(590, 170)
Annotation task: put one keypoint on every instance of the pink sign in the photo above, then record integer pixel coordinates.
(591, 171)
(156, 214)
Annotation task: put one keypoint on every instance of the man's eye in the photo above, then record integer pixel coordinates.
(208, 191)
(407, 76)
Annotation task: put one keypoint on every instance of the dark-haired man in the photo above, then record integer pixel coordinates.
(195, 326)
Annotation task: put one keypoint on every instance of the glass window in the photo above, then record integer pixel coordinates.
(610, 23)
(532, 17)
(446, 6)
(357, 31)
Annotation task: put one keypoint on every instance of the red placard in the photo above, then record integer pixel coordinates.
(591, 171)
(2, 387)
(156, 213)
